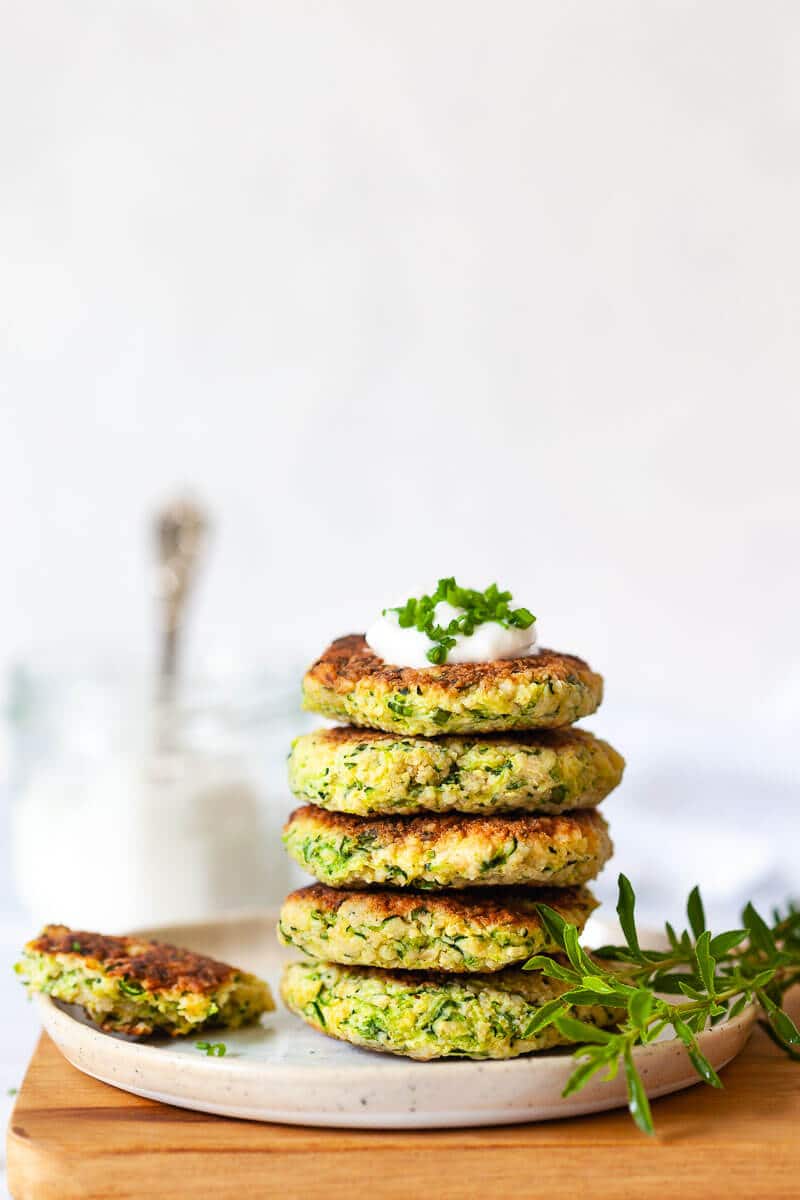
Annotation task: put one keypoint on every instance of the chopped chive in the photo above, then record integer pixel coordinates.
(212, 1049)
(477, 608)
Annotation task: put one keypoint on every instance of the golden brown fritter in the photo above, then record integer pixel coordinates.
(134, 986)
(451, 850)
(153, 964)
(477, 929)
(370, 773)
(547, 689)
(426, 1015)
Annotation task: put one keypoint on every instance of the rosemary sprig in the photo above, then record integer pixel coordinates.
(716, 976)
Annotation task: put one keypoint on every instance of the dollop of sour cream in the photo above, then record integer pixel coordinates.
(409, 647)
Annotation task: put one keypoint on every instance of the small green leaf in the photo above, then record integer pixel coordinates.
(705, 963)
(780, 1021)
(554, 923)
(581, 995)
(698, 1059)
(640, 1007)
(544, 1016)
(671, 982)
(697, 1020)
(613, 1069)
(574, 952)
(626, 904)
(696, 912)
(582, 1074)
(704, 1068)
(760, 933)
(638, 1102)
(598, 984)
(656, 1029)
(581, 1031)
(615, 953)
(737, 1007)
(692, 992)
(773, 1037)
(761, 979)
(721, 945)
(551, 968)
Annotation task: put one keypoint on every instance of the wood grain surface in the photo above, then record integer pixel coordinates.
(70, 1136)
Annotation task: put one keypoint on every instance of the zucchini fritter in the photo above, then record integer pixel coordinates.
(128, 985)
(427, 1016)
(365, 773)
(480, 929)
(449, 850)
(350, 683)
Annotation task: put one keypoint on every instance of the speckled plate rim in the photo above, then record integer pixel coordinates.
(358, 1088)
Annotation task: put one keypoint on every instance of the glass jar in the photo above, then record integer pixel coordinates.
(128, 813)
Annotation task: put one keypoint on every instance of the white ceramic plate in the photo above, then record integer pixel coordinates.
(287, 1072)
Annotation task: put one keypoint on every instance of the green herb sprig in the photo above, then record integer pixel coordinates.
(213, 1049)
(419, 612)
(717, 976)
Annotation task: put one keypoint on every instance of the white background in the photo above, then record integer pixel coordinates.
(507, 291)
(408, 290)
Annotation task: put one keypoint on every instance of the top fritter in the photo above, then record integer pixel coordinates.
(539, 691)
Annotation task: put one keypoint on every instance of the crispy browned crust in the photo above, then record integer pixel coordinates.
(387, 830)
(348, 660)
(554, 739)
(503, 980)
(478, 906)
(156, 965)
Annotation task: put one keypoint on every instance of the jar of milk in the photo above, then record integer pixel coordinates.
(128, 813)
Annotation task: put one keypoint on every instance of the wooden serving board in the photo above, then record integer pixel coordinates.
(73, 1137)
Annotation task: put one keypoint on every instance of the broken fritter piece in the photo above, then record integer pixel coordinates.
(134, 986)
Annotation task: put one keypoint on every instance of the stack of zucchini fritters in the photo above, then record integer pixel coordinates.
(457, 797)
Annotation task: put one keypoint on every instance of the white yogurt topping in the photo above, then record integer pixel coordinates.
(408, 647)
